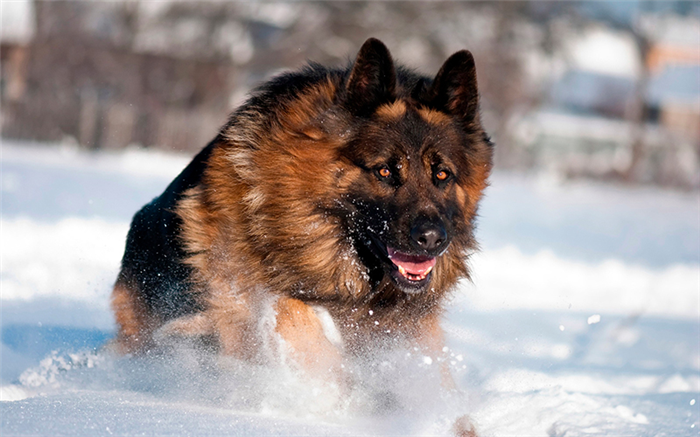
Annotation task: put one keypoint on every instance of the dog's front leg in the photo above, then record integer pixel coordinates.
(432, 340)
(302, 332)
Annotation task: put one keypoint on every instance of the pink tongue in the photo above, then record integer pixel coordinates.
(414, 265)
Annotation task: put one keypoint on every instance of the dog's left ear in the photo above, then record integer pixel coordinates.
(372, 80)
(454, 89)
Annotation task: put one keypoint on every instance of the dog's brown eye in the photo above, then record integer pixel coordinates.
(384, 172)
(441, 175)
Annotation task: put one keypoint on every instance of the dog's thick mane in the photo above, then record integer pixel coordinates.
(283, 117)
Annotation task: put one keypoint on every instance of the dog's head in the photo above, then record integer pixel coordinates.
(423, 160)
(370, 170)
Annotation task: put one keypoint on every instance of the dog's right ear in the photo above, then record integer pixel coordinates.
(372, 80)
(454, 89)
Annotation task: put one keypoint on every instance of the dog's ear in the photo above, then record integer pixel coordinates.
(372, 80)
(454, 89)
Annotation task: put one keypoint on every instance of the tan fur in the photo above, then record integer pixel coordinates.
(478, 182)
(134, 324)
(433, 117)
(463, 427)
(393, 110)
(232, 248)
(432, 340)
(299, 326)
(195, 325)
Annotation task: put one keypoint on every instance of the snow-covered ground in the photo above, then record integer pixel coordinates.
(582, 319)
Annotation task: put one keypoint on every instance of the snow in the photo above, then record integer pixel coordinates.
(582, 319)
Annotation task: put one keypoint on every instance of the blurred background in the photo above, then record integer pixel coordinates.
(604, 90)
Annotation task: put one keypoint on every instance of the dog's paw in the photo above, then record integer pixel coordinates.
(463, 427)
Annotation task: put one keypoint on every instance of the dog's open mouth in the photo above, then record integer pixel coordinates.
(415, 268)
(411, 273)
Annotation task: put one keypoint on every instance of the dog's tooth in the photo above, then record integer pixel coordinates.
(402, 270)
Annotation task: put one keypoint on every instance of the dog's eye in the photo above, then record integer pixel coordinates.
(384, 172)
(442, 175)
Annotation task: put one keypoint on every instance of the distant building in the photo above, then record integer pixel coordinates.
(675, 96)
(674, 63)
(586, 92)
(156, 73)
(85, 73)
(16, 33)
(586, 127)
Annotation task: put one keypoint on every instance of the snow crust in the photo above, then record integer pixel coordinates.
(582, 319)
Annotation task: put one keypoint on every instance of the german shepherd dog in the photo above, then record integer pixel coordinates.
(348, 193)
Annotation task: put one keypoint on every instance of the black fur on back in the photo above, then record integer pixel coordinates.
(153, 255)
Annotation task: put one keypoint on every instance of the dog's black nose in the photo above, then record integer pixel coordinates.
(428, 235)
